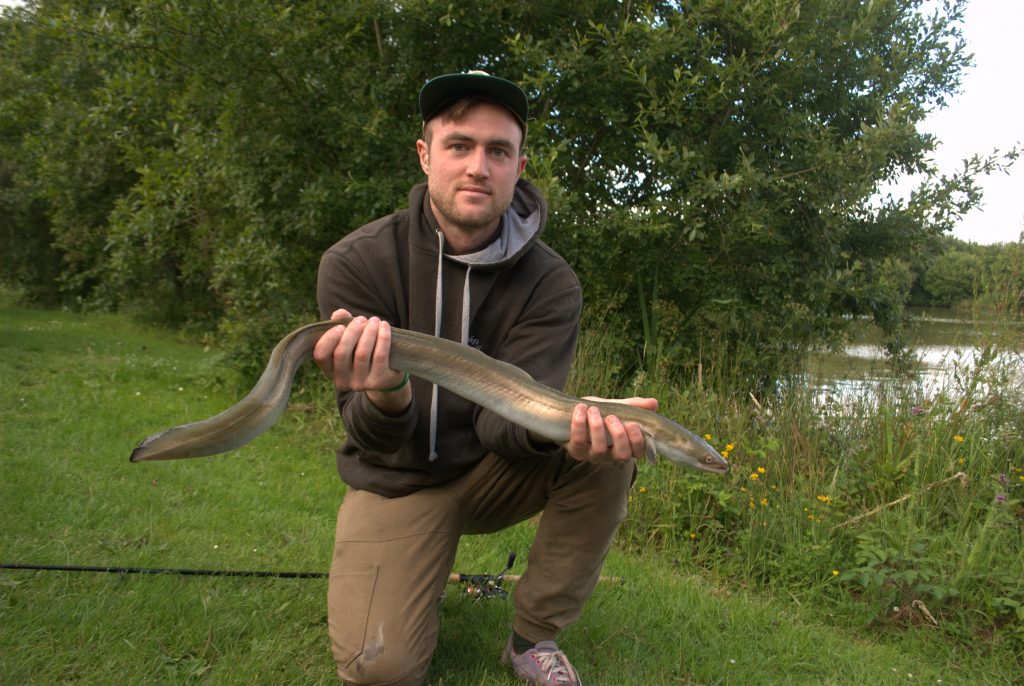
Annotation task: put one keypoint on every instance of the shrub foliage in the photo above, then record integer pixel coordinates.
(714, 163)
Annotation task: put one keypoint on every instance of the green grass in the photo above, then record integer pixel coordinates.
(857, 506)
(78, 392)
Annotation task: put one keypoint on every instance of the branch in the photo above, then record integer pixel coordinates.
(958, 476)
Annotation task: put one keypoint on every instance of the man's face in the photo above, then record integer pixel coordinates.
(472, 166)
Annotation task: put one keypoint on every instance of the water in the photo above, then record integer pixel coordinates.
(945, 343)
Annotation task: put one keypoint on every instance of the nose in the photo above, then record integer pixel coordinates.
(476, 165)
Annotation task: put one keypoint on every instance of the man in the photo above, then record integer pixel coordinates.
(424, 466)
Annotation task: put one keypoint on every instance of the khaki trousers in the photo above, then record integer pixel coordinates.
(392, 557)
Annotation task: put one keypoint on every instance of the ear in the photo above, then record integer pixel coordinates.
(522, 165)
(423, 151)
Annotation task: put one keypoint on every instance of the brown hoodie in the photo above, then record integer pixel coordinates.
(516, 300)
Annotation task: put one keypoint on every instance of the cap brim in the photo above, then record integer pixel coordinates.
(444, 89)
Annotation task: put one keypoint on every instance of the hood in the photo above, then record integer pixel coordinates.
(521, 225)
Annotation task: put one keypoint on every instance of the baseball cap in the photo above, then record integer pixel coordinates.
(441, 90)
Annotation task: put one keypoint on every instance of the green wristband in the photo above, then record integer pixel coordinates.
(398, 386)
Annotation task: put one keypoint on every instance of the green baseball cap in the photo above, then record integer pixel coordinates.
(441, 90)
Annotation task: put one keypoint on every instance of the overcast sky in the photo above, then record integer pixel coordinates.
(987, 114)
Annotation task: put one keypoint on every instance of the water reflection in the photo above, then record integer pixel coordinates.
(945, 346)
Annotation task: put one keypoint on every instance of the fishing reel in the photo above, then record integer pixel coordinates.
(484, 585)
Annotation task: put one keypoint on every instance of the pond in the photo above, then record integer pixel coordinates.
(944, 342)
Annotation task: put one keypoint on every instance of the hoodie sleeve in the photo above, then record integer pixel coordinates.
(342, 283)
(542, 342)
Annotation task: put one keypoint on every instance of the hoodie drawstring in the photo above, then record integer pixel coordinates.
(464, 333)
(437, 334)
(465, 307)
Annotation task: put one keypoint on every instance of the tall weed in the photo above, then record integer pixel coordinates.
(905, 503)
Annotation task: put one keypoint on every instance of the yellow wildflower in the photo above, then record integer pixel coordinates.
(754, 476)
(642, 489)
(693, 535)
(760, 470)
(958, 438)
(824, 498)
(764, 502)
(729, 447)
(707, 437)
(835, 572)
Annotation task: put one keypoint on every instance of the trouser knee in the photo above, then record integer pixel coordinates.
(390, 564)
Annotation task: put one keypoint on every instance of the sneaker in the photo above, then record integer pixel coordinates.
(542, 665)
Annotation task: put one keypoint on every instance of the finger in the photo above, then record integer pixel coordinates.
(646, 403)
(382, 356)
(636, 401)
(578, 444)
(598, 436)
(341, 313)
(343, 353)
(620, 448)
(637, 442)
(362, 354)
(323, 351)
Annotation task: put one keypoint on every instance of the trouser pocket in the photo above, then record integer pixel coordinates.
(349, 593)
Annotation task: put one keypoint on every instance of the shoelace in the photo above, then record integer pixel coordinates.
(557, 665)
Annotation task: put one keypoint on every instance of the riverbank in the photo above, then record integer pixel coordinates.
(760, 577)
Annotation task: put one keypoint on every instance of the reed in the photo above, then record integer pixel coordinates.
(904, 504)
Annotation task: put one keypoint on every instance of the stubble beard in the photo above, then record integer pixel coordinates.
(470, 222)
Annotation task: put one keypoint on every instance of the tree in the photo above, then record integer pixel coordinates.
(954, 277)
(712, 162)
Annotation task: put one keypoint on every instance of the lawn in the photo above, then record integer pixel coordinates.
(78, 392)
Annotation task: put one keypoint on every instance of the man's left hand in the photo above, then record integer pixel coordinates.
(594, 437)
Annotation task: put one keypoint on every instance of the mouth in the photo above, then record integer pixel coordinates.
(475, 190)
(719, 466)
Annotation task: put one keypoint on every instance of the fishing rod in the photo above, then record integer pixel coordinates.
(477, 585)
(161, 570)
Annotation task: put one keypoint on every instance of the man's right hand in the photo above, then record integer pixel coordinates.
(355, 357)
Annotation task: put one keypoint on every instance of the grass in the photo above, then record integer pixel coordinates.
(78, 392)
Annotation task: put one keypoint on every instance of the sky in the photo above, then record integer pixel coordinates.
(987, 114)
